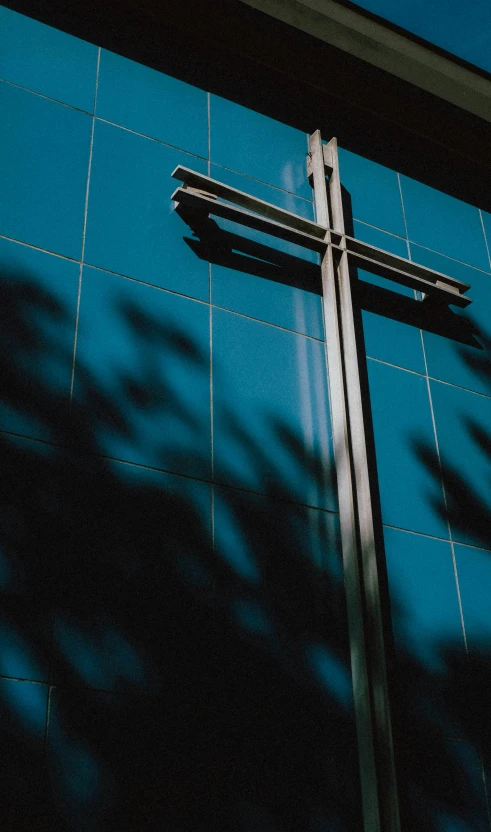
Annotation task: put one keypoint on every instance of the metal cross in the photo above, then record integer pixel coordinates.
(327, 237)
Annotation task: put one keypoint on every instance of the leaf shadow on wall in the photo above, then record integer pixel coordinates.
(465, 503)
(189, 688)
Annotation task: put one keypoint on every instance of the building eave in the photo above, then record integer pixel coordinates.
(385, 47)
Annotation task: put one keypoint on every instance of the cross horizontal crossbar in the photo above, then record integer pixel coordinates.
(204, 202)
(200, 192)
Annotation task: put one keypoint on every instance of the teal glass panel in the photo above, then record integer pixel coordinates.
(443, 223)
(381, 239)
(143, 373)
(389, 338)
(47, 61)
(132, 226)
(463, 422)
(258, 146)
(267, 299)
(403, 430)
(387, 335)
(424, 602)
(44, 156)
(447, 357)
(156, 538)
(271, 413)
(474, 569)
(152, 103)
(38, 310)
(372, 191)
(24, 704)
(486, 220)
(249, 529)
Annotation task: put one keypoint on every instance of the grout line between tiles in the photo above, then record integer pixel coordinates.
(445, 502)
(268, 323)
(38, 248)
(435, 537)
(203, 302)
(48, 713)
(396, 366)
(459, 387)
(423, 375)
(46, 97)
(84, 229)
(150, 138)
(23, 679)
(403, 214)
(169, 472)
(448, 257)
(485, 236)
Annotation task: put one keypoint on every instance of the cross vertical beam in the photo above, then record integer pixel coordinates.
(368, 657)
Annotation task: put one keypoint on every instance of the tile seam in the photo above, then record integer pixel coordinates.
(403, 214)
(435, 537)
(38, 248)
(45, 97)
(485, 236)
(445, 502)
(448, 257)
(204, 481)
(84, 230)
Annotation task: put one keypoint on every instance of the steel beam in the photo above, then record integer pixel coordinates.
(370, 686)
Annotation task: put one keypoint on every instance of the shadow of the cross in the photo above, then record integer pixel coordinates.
(191, 685)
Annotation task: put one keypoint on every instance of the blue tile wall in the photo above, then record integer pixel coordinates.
(463, 422)
(267, 299)
(389, 339)
(443, 223)
(373, 191)
(448, 359)
(47, 61)
(132, 228)
(251, 143)
(474, 570)
(144, 353)
(271, 420)
(402, 423)
(44, 155)
(423, 624)
(149, 102)
(39, 305)
(486, 220)
(216, 374)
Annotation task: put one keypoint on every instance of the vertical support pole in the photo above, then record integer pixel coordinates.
(368, 665)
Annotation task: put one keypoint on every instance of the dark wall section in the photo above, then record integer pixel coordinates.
(242, 54)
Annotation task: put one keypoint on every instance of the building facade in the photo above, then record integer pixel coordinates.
(176, 648)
